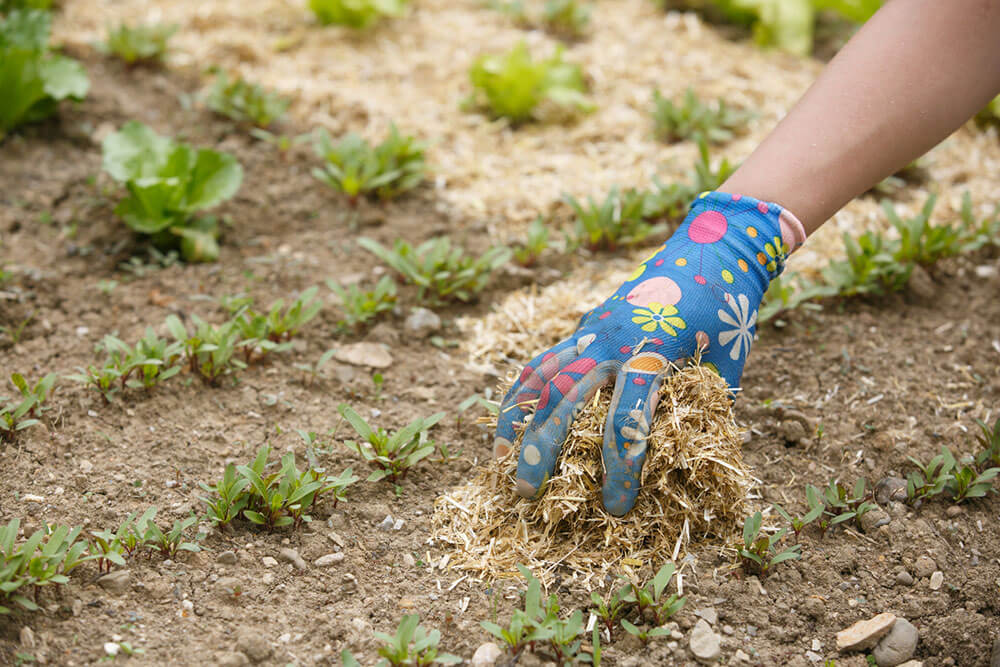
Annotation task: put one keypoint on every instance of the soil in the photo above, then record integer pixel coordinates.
(874, 381)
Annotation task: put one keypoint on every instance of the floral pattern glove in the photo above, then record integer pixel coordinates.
(700, 290)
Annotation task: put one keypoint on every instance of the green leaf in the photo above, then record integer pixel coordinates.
(64, 78)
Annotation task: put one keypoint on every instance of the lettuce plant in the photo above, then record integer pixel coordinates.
(33, 79)
(168, 184)
(356, 13)
(138, 45)
(245, 102)
(357, 168)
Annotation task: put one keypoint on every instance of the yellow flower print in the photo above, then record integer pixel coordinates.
(656, 315)
(776, 252)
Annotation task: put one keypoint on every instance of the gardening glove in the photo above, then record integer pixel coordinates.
(698, 292)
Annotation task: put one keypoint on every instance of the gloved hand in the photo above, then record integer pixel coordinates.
(701, 289)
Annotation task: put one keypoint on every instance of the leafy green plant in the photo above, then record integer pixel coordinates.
(33, 79)
(442, 272)
(11, 5)
(140, 44)
(611, 607)
(356, 168)
(966, 482)
(392, 455)
(814, 512)
(170, 542)
(843, 504)
(360, 306)
(228, 497)
(650, 596)
(356, 13)
(245, 102)
(168, 184)
(618, 220)
(151, 361)
(568, 18)
(514, 86)
(759, 552)
(536, 241)
(210, 350)
(22, 413)
(790, 293)
(931, 479)
(110, 548)
(262, 333)
(46, 558)
(312, 371)
(411, 645)
(870, 267)
(978, 233)
(693, 119)
(990, 442)
(920, 242)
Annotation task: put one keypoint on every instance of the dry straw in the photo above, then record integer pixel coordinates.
(694, 486)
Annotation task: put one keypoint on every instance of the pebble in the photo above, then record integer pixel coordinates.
(916, 663)
(232, 659)
(890, 489)
(268, 561)
(267, 579)
(112, 648)
(228, 587)
(924, 567)
(865, 634)
(115, 582)
(328, 560)
(898, 646)
(372, 355)
(292, 556)
(226, 558)
(813, 656)
(422, 322)
(874, 519)
(953, 511)
(709, 614)
(904, 578)
(253, 646)
(409, 560)
(936, 580)
(705, 645)
(727, 630)
(486, 655)
(27, 637)
(740, 656)
(387, 523)
(85, 466)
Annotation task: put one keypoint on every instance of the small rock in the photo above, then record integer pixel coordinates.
(792, 431)
(890, 489)
(285, 638)
(226, 558)
(253, 646)
(422, 322)
(705, 645)
(112, 648)
(816, 645)
(915, 663)
(865, 634)
(898, 646)
(268, 561)
(228, 587)
(115, 582)
(486, 655)
(85, 466)
(921, 284)
(813, 656)
(232, 659)
(873, 519)
(328, 560)
(937, 578)
(924, 567)
(709, 614)
(986, 271)
(740, 657)
(372, 355)
(813, 608)
(409, 560)
(27, 637)
(292, 556)
(727, 630)
(267, 579)
(904, 578)
(953, 511)
(387, 523)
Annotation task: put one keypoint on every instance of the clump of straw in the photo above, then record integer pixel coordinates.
(694, 486)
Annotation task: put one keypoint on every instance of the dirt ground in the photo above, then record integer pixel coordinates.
(875, 380)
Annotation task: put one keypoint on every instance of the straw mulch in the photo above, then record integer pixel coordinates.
(694, 487)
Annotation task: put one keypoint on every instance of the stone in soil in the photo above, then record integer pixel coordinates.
(268, 561)
(372, 355)
(253, 646)
(898, 646)
(292, 556)
(486, 655)
(228, 587)
(865, 634)
(226, 558)
(904, 578)
(705, 645)
(328, 560)
(422, 322)
(709, 614)
(27, 637)
(232, 659)
(890, 489)
(937, 578)
(115, 582)
(924, 567)
(874, 519)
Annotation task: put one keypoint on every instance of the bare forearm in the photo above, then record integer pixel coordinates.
(913, 74)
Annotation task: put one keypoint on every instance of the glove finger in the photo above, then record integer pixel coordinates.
(520, 398)
(627, 427)
(559, 403)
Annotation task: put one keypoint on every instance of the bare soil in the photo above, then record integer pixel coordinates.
(873, 380)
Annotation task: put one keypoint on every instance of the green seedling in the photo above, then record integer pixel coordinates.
(566, 18)
(170, 542)
(620, 220)
(228, 497)
(651, 595)
(46, 558)
(37, 393)
(210, 350)
(786, 294)
(156, 261)
(515, 87)
(17, 331)
(759, 552)
(477, 400)
(34, 78)
(693, 119)
(870, 267)
(313, 371)
(111, 548)
(10, 5)
(245, 102)
(966, 482)
(990, 443)
(361, 306)
(106, 287)
(978, 233)
(843, 504)
(262, 333)
(358, 14)
(23, 413)
(282, 142)
(151, 361)
(815, 511)
(611, 607)
(442, 272)
(393, 455)
(356, 168)
(413, 644)
(643, 634)
(920, 242)
(139, 45)
(169, 184)
(527, 252)
(931, 479)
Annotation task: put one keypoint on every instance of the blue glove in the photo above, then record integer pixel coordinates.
(700, 290)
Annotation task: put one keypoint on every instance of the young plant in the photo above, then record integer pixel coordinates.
(535, 243)
(170, 542)
(356, 168)
(34, 80)
(611, 607)
(313, 371)
(920, 242)
(391, 454)
(990, 442)
(228, 497)
(23, 413)
(210, 350)
(110, 548)
(413, 644)
(966, 482)
(245, 102)
(43, 559)
(151, 361)
(441, 271)
(566, 18)
(786, 294)
(843, 504)
(618, 220)
(759, 552)
(650, 596)
(693, 119)
(360, 306)
(262, 333)
(356, 14)
(168, 184)
(37, 393)
(515, 87)
(815, 511)
(139, 45)
(870, 267)
(931, 479)
(978, 233)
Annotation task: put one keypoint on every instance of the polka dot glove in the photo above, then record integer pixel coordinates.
(701, 289)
